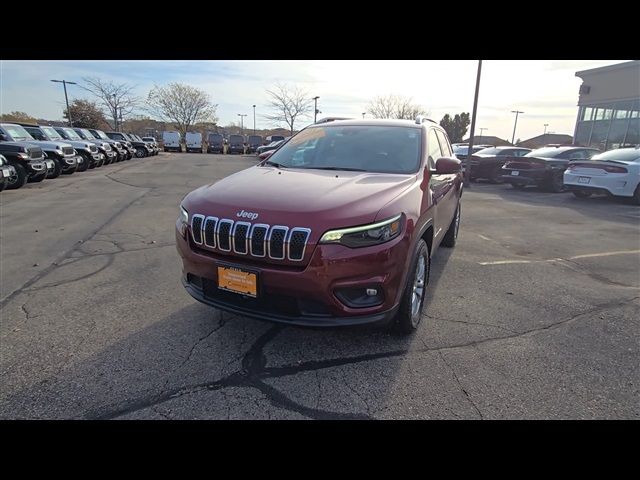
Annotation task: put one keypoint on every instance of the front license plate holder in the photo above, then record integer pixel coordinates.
(584, 179)
(515, 173)
(238, 280)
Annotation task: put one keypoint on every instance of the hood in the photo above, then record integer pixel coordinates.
(82, 144)
(17, 146)
(316, 199)
(47, 145)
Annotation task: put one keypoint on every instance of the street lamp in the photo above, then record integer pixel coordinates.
(254, 119)
(315, 109)
(514, 125)
(66, 98)
(242, 115)
(545, 128)
(363, 114)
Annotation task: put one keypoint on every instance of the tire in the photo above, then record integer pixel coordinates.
(57, 169)
(450, 238)
(556, 183)
(410, 313)
(19, 179)
(518, 186)
(3, 184)
(140, 153)
(37, 179)
(84, 165)
(636, 196)
(581, 193)
(495, 174)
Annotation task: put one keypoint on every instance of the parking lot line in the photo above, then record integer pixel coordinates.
(576, 257)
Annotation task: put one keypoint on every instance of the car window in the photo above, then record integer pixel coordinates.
(433, 146)
(51, 133)
(444, 144)
(36, 133)
(622, 154)
(380, 148)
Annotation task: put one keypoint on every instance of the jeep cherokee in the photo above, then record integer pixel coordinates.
(337, 227)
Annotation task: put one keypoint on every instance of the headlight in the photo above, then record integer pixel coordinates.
(184, 220)
(1, 160)
(365, 235)
(24, 156)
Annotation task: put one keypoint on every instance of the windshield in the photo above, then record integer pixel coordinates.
(71, 134)
(545, 152)
(382, 149)
(148, 139)
(17, 132)
(51, 133)
(88, 135)
(101, 134)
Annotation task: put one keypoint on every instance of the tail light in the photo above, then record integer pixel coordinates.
(606, 168)
(611, 169)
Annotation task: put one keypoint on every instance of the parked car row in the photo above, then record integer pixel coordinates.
(31, 153)
(581, 170)
(218, 143)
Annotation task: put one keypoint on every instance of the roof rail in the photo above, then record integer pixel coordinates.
(421, 119)
(331, 119)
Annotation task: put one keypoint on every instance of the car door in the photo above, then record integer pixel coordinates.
(452, 180)
(440, 186)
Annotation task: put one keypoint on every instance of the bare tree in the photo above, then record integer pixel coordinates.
(116, 98)
(182, 105)
(395, 106)
(288, 103)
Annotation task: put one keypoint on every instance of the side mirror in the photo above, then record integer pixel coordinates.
(265, 155)
(448, 165)
(3, 137)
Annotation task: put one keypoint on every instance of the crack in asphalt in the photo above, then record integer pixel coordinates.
(67, 254)
(27, 315)
(468, 397)
(572, 264)
(221, 323)
(471, 323)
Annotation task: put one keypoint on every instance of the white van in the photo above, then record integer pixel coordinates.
(171, 141)
(194, 142)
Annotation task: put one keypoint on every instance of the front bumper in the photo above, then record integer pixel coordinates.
(7, 171)
(303, 295)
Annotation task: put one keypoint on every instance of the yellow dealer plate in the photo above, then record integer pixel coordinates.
(238, 281)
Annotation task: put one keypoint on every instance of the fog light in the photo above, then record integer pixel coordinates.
(360, 297)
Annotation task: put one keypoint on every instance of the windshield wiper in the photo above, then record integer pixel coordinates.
(347, 169)
(274, 164)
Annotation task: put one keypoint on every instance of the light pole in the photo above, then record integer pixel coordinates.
(66, 98)
(254, 119)
(513, 137)
(315, 109)
(467, 162)
(115, 109)
(242, 115)
(363, 114)
(482, 130)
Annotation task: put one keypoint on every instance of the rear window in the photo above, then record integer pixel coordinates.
(622, 155)
(490, 151)
(383, 149)
(236, 139)
(215, 137)
(255, 139)
(545, 152)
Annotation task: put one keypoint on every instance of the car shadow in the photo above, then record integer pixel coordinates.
(200, 349)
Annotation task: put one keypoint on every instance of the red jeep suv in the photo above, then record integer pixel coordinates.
(337, 227)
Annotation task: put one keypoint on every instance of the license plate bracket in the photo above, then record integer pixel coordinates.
(238, 280)
(584, 179)
(515, 173)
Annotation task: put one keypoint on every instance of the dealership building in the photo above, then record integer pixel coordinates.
(609, 106)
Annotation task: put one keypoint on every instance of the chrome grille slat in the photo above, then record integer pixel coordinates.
(209, 230)
(196, 228)
(223, 234)
(240, 237)
(277, 242)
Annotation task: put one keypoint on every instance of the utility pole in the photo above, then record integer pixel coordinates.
(115, 110)
(363, 114)
(315, 109)
(467, 162)
(482, 130)
(515, 124)
(254, 119)
(66, 98)
(242, 115)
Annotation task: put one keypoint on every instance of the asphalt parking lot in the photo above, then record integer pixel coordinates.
(534, 314)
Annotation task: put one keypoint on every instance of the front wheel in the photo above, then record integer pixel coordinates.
(412, 303)
(140, 153)
(19, 179)
(57, 169)
(556, 183)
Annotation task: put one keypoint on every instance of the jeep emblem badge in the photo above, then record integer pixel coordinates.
(249, 215)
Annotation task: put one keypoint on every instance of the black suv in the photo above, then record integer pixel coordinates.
(64, 156)
(27, 160)
(215, 143)
(141, 148)
(6, 172)
(253, 143)
(92, 158)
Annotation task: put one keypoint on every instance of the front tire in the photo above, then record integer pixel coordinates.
(518, 186)
(19, 179)
(57, 169)
(556, 182)
(140, 153)
(412, 303)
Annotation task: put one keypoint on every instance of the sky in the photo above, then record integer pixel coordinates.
(546, 91)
